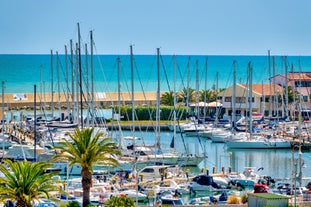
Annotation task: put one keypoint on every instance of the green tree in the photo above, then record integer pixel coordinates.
(121, 201)
(167, 98)
(24, 182)
(210, 95)
(86, 150)
(187, 93)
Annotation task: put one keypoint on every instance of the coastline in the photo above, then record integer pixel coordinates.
(101, 99)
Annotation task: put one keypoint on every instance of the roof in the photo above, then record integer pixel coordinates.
(299, 76)
(269, 196)
(258, 90)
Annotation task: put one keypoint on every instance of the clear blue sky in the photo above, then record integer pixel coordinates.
(209, 27)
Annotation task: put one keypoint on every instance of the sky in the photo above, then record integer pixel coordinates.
(186, 27)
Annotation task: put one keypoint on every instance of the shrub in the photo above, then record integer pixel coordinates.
(244, 198)
(233, 199)
(121, 201)
(73, 204)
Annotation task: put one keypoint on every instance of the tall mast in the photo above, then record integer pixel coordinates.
(158, 102)
(270, 85)
(92, 76)
(133, 96)
(80, 76)
(72, 82)
(276, 110)
(58, 81)
(175, 102)
(87, 87)
(234, 95)
(67, 80)
(205, 87)
(197, 87)
(286, 87)
(119, 102)
(188, 89)
(250, 71)
(217, 107)
(77, 84)
(35, 124)
(52, 85)
(2, 111)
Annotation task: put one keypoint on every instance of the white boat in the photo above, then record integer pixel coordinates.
(171, 187)
(209, 131)
(171, 200)
(158, 172)
(259, 142)
(247, 178)
(221, 136)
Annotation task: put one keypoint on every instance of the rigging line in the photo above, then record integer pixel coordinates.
(165, 73)
(142, 87)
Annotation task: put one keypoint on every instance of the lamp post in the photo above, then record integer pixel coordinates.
(294, 171)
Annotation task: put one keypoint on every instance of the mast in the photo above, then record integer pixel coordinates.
(92, 75)
(217, 107)
(250, 71)
(158, 103)
(87, 88)
(197, 88)
(276, 110)
(80, 76)
(77, 84)
(286, 87)
(52, 85)
(119, 101)
(205, 88)
(67, 81)
(41, 85)
(2, 111)
(73, 115)
(175, 102)
(234, 95)
(35, 124)
(58, 81)
(188, 90)
(133, 96)
(270, 86)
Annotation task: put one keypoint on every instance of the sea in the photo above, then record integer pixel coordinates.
(19, 74)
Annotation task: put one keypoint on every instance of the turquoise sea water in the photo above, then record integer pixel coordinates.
(21, 72)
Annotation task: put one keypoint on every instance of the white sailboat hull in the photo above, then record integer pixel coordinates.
(260, 144)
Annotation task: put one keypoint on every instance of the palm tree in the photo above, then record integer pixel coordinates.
(187, 93)
(167, 98)
(24, 182)
(210, 95)
(87, 150)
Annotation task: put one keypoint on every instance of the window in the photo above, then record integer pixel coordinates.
(305, 98)
(148, 170)
(228, 99)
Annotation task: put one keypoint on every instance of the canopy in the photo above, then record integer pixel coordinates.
(204, 104)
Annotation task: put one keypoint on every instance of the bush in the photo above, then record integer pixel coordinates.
(233, 199)
(244, 198)
(121, 201)
(73, 204)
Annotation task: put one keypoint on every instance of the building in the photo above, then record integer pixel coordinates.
(264, 100)
(300, 82)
